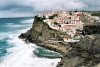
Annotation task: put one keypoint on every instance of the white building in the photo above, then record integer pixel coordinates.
(69, 29)
(76, 20)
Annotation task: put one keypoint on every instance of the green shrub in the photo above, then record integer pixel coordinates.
(54, 15)
(40, 18)
(92, 29)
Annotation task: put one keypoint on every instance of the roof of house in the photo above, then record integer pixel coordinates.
(78, 14)
(69, 26)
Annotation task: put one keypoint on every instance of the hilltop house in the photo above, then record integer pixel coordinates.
(75, 19)
(69, 29)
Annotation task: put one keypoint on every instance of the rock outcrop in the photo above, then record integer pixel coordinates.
(90, 44)
(40, 33)
(86, 53)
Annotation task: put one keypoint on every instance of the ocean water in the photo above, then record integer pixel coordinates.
(15, 52)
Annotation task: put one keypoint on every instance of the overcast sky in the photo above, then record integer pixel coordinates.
(22, 8)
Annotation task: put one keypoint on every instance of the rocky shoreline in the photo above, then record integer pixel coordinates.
(85, 53)
(58, 47)
(73, 54)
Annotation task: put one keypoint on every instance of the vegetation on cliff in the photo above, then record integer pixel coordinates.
(54, 15)
(40, 31)
(92, 29)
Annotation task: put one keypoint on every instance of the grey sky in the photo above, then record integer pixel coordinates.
(21, 8)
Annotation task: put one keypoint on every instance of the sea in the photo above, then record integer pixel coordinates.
(16, 53)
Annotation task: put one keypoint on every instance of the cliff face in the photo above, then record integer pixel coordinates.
(90, 44)
(86, 53)
(40, 31)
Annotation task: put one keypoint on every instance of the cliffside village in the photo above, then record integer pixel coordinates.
(68, 22)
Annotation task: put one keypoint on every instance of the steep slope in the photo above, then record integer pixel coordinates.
(85, 53)
(40, 33)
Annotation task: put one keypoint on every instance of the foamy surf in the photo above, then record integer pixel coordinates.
(21, 54)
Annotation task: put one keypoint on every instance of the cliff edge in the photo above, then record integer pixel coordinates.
(41, 33)
(85, 53)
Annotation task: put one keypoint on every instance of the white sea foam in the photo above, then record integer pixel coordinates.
(3, 35)
(21, 55)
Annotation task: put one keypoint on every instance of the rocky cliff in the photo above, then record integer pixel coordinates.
(40, 33)
(85, 53)
(90, 44)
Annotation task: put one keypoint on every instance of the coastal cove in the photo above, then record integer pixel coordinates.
(43, 52)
